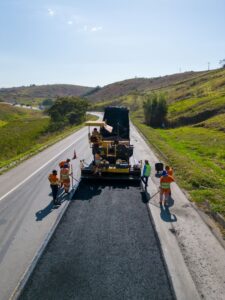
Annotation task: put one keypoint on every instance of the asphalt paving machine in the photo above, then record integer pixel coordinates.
(111, 148)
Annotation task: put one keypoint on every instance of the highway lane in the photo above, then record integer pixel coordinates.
(26, 213)
(15, 176)
(105, 247)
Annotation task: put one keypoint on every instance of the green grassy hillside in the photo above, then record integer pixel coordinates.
(24, 132)
(20, 131)
(138, 85)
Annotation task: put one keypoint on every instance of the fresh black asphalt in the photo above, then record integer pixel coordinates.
(105, 247)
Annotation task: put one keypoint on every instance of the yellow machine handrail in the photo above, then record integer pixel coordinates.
(95, 123)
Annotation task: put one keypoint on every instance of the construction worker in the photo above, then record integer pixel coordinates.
(96, 133)
(97, 162)
(63, 162)
(65, 177)
(169, 171)
(165, 181)
(54, 184)
(61, 165)
(146, 173)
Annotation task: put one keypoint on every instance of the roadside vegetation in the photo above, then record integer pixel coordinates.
(24, 132)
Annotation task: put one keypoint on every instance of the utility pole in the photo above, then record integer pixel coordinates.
(208, 66)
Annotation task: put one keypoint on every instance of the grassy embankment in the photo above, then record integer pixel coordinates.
(196, 146)
(24, 132)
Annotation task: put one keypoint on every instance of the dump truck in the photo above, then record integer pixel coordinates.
(110, 141)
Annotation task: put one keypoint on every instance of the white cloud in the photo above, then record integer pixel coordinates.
(70, 22)
(51, 12)
(96, 28)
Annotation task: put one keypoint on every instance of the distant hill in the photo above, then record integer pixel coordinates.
(193, 97)
(37, 93)
(121, 88)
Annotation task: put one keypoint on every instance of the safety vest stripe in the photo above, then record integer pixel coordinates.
(165, 185)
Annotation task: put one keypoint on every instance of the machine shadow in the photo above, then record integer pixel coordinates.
(94, 188)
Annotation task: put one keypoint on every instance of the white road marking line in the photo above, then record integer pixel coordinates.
(26, 179)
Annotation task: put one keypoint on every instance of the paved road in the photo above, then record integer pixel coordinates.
(26, 212)
(105, 247)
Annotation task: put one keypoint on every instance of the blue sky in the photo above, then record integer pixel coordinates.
(97, 42)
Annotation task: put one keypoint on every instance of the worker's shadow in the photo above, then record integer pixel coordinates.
(42, 213)
(62, 196)
(166, 215)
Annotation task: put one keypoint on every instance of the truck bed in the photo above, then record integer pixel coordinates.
(105, 247)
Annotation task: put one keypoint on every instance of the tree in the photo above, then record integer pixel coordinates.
(222, 63)
(68, 110)
(161, 111)
(47, 102)
(155, 110)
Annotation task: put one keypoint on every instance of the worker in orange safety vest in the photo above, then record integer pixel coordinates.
(61, 165)
(169, 171)
(65, 177)
(165, 181)
(54, 184)
(63, 162)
